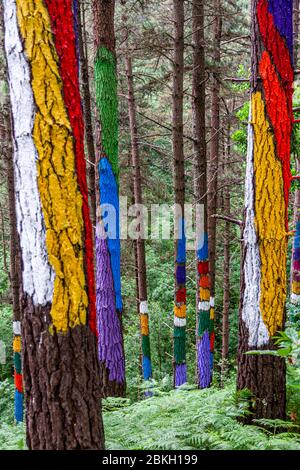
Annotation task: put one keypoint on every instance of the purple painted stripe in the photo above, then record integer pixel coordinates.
(180, 275)
(108, 324)
(180, 374)
(282, 11)
(204, 371)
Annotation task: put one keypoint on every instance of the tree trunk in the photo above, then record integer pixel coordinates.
(108, 249)
(89, 136)
(180, 373)
(15, 266)
(295, 267)
(205, 312)
(226, 264)
(263, 287)
(213, 165)
(140, 241)
(60, 367)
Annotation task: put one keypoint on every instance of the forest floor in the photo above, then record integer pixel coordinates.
(181, 419)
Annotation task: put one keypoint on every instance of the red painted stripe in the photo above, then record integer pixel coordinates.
(280, 116)
(62, 21)
(18, 382)
(203, 267)
(181, 295)
(275, 43)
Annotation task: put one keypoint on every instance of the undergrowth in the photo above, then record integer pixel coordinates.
(181, 419)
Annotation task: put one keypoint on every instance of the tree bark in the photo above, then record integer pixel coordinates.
(295, 266)
(213, 164)
(108, 249)
(205, 312)
(226, 263)
(60, 366)
(15, 266)
(89, 135)
(140, 241)
(263, 274)
(179, 362)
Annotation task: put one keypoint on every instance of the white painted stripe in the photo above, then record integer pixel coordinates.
(179, 321)
(17, 328)
(295, 298)
(38, 276)
(258, 333)
(212, 301)
(204, 306)
(144, 306)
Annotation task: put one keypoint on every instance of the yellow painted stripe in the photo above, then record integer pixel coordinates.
(180, 312)
(204, 294)
(60, 197)
(17, 344)
(144, 324)
(296, 287)
(212, 313)
(269, 219)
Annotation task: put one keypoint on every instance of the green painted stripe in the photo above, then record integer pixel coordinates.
(146, 346)
(17, 362)
(107, 104)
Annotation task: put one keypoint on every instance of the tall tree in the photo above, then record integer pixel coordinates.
(180, 373)
(60, 366)
(140, 241)
(86, 102)
(263, 287)
(295, 267)
(108, 251)
(213, 166)
(14, 274)
(205, 312)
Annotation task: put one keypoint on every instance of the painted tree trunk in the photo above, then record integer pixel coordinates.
(15, 267)
(60, 366)
(140, 242)
(180, 372)
(295, 268)
(264, 280)
(205, 312)
(108, 250)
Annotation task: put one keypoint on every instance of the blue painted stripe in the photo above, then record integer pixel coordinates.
(202, 252)
(109, 198)
(147, 368)
(181, 246)
(18, 406)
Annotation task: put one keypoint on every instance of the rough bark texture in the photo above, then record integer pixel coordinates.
(205, 312)
(89, 136)
(61, 371)
(61, 384)
(179, 189)
(213, 165)
(108, 249)
(140, 241)
(263, 276)
(226, 264)
(15, 264)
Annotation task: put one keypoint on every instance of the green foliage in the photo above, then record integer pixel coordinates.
(6, 337)
(239, 137)
(193, 419)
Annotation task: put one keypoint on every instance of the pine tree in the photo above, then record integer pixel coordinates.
(60, 366)
(268, 177)
(108, 251)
